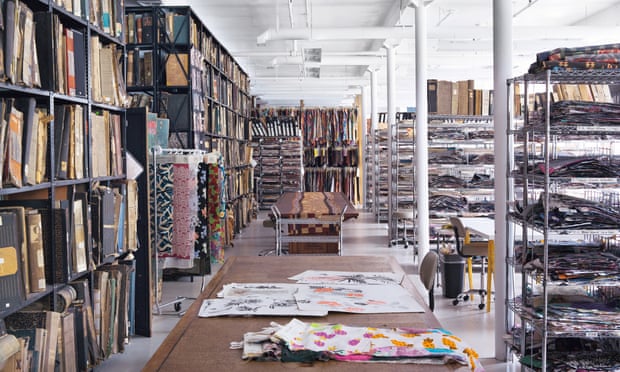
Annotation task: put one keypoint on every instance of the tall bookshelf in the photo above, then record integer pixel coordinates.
(65, 197)
(179, 70)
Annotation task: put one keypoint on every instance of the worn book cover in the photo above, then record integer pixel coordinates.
(10, 29)
(22, 243)
(95, 73)
(444, 97)
(45, 48)
(80, 258)
(13, 161)
(29, 139)
(27, 67)
(62, 159)
(177, 69)
(70, 62)
(431, 95)
(12, 291)
(68, 356)
(106, 70)
(80, 62)
(88, 345)
(36, 256)
(39, 319)
(101, 309)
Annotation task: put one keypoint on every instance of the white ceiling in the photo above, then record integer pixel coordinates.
(459, 41)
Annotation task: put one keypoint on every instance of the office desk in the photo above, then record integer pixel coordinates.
(202, 344)
(484, 227)
(311, 221)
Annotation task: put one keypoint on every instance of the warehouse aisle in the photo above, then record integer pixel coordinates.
(361, 236)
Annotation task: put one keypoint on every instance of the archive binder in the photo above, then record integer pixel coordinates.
(12, 292)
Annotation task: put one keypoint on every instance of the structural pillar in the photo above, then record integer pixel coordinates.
(421, 134)
(365, 142)
(391, 131)
(374, 118)
(502, 70)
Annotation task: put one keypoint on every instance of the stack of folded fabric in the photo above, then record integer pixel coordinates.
(578, 167)
(602, 57)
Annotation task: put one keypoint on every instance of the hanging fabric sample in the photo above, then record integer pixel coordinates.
(216, 209)
(175, 208)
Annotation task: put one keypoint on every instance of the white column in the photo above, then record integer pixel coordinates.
(502, 70)
(421, 135)
(366, 140)
(374, 118)
(391, 124)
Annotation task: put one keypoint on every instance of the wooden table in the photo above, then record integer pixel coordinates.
(314, 204)
(302, 214)
(202, 344)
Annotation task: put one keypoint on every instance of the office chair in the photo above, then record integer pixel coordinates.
(427, 272)
(474, 251)
(402, 216)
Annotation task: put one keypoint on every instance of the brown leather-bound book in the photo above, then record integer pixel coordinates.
(444, 97)
(68, 357)
(470, 98)
(36, 256)
(177, 69)
(463, 104)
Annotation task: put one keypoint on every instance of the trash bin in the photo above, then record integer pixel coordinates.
(452, 272)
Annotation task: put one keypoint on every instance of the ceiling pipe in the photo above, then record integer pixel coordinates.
(441, 33)
(331, 60)
(334, 33)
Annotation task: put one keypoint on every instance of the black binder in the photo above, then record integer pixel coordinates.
(12, 291)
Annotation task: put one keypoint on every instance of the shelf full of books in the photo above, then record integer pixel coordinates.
(67, 209)
(177, 69)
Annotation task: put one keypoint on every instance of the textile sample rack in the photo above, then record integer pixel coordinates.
(180, 225)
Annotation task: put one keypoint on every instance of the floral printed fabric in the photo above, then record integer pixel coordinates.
(374, 344)
(215, 211)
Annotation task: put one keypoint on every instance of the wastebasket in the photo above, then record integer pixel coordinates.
(452, 272)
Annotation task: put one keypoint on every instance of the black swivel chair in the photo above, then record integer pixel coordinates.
(475, 252)
(402, 216)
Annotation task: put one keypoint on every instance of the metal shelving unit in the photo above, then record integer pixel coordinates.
(539, 247)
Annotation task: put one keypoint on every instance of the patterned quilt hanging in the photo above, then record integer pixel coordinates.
(176, 209)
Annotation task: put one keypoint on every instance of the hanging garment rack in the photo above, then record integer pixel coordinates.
(174, 156)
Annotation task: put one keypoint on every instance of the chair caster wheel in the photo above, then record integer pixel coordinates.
(177, 306)
(466, 298)
(455, 302)
(481, 306)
